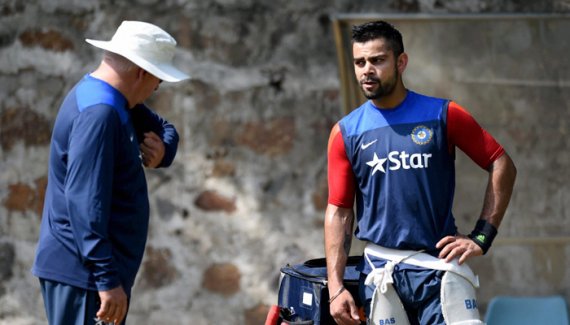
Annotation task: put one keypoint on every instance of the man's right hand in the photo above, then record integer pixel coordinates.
(113, 305)
(343, 309)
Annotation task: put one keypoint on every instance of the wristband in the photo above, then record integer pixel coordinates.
(483, 235)
(338, 292)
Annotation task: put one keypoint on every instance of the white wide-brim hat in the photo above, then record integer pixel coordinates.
(147, 46)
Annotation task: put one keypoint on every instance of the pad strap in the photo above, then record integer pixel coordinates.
(414, 258)
(381, 277)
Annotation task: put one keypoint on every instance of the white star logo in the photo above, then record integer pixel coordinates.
(377, 163)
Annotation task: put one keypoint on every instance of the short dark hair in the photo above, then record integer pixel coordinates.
(379, 29)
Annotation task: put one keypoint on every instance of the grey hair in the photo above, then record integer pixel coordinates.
(118, 62)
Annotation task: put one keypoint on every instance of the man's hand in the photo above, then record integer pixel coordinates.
(113, 305)
(152, 150)
(343, 309)
(458, 246)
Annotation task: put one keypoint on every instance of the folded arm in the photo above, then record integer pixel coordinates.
(158, 138)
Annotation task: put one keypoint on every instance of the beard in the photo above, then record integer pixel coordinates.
(384, 88)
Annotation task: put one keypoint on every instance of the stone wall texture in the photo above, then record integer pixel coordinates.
(247, 191)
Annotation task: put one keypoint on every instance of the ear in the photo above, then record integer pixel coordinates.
(402, 62)
(141, 73)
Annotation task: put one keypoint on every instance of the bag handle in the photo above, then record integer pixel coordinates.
(322, 262)
(297, 322)
(308, 275)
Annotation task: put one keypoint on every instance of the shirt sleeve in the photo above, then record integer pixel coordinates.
(465, 133)
(88, 184)
(145, 120)
(341, 180)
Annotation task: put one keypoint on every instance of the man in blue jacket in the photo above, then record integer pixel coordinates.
(96, 213)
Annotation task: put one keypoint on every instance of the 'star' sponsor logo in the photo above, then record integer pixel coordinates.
(399, 160)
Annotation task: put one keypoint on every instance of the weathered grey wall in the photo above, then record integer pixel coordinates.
(247, 190)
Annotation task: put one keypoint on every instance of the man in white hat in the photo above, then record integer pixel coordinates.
(95, 218)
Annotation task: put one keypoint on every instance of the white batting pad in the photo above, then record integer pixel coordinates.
(387, 309)
(458, 301)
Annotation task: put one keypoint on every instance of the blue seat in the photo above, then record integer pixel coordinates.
(505, 310)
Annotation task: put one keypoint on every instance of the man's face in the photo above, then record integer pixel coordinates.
(147, 86)
(375, 68)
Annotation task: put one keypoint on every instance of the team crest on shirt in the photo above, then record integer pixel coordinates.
(421, 135)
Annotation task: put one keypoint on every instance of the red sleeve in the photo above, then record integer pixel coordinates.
(465, 133)
(342, 183)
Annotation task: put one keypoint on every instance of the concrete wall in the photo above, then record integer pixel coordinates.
(247, 191)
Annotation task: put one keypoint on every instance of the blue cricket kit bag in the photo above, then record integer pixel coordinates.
(303, 292)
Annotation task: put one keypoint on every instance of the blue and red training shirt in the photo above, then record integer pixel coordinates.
(398, 164)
